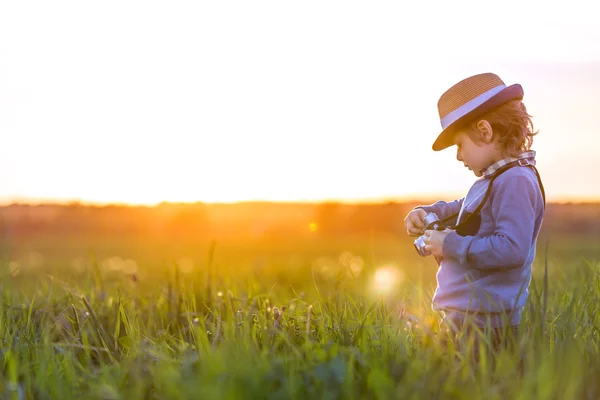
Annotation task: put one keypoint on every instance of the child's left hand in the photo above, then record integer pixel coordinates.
(435, 241)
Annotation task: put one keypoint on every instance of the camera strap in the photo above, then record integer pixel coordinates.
(518, 163)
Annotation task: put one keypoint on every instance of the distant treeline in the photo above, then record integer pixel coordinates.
(257, 219)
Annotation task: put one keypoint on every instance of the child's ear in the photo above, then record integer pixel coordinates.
(485, 130)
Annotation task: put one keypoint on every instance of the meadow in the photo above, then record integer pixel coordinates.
(328, 315)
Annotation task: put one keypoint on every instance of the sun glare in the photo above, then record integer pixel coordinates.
(385, 279)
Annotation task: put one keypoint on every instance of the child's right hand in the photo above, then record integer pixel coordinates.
(414, 222)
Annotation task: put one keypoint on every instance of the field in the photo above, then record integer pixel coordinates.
(280, 316)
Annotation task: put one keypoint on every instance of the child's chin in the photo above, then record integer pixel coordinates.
(478, 174)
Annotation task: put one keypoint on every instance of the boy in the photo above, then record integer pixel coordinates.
(485, 259)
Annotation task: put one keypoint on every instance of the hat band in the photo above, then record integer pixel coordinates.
(470, 106)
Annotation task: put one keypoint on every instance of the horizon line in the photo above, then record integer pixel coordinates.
(424, 199)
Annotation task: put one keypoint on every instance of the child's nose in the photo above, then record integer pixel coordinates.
(458, 156)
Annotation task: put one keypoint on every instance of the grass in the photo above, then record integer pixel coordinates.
(280, 332)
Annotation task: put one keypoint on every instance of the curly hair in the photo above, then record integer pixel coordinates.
(512, 126)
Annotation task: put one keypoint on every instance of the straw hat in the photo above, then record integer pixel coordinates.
(469, 99)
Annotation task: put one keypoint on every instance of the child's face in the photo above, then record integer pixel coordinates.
(477, 155)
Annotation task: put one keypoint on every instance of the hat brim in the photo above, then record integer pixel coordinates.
(446, 138)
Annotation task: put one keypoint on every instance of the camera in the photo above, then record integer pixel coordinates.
(431, 222)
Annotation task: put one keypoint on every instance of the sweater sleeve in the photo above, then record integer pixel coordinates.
(444, 209)
(513, 211)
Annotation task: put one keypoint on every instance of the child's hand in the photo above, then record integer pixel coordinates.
(414, 222)
(435, 241)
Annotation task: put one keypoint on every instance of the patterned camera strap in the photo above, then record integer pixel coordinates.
(518, 163)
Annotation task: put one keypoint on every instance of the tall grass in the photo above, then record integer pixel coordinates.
(210, 336)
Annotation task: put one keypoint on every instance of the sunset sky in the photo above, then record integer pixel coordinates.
(143, 102)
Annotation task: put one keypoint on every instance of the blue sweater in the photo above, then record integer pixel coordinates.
(487, 275)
